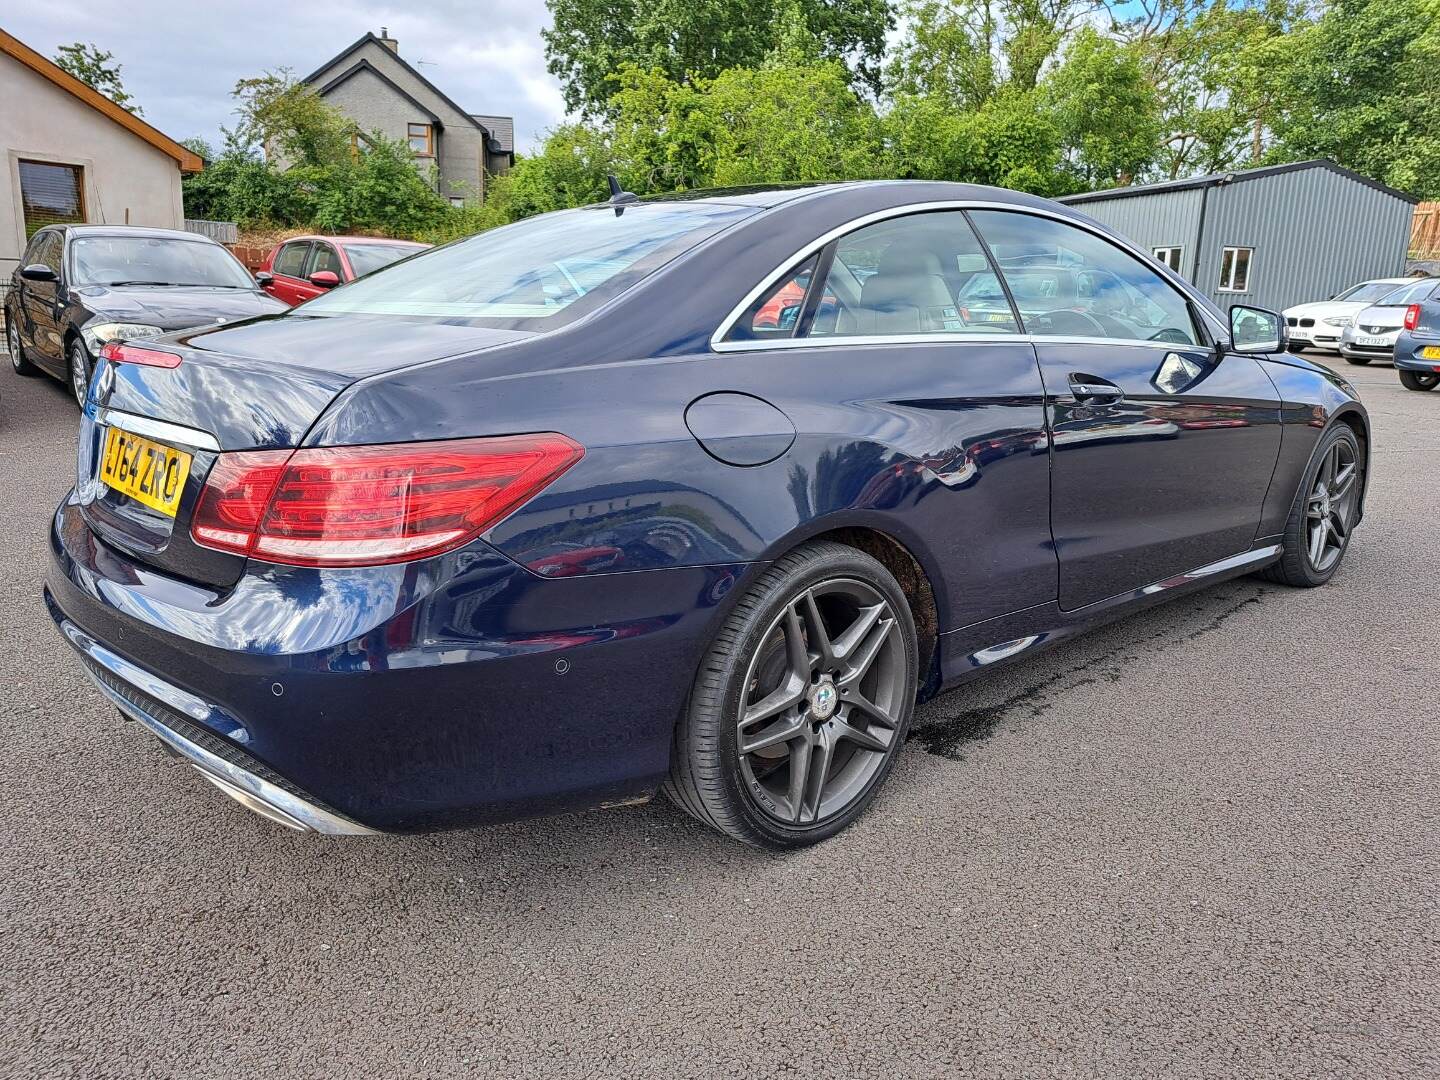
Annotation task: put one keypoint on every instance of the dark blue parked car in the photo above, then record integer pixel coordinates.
(1417, 349)
(555, 517)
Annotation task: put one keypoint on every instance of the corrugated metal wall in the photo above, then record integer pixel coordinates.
(1314, 232)
(1164, 219)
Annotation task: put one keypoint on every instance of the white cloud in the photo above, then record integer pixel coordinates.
(181, 60)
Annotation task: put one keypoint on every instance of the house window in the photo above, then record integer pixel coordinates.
(51, 195)
(1235, 269)
(1170, 256)
(420, 140)
(457, 200)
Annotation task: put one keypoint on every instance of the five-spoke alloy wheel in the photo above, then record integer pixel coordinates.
(802, 702)
(1325, 511)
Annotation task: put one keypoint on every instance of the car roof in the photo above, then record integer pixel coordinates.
(135, 230)
(354, 240)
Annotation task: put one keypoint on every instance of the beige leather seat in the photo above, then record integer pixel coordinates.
(908, 294)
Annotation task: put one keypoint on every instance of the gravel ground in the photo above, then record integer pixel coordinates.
(1201, 842)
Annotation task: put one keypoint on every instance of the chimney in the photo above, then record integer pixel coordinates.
(388, 41)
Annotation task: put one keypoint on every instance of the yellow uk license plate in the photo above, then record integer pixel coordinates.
(1431, 352)
(148, 472)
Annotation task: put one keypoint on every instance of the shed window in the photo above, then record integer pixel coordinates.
(1170, 256)
(51, 195)
(1235, 269)
(419, 137)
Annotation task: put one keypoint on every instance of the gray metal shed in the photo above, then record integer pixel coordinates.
(1270, 237)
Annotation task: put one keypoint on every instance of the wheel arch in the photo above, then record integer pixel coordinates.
(905, 559)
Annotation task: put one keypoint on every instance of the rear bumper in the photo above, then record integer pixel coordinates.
(456, 691)
(245, 780)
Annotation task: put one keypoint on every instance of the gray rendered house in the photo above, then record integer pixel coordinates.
(1269, 237)
(373, 86)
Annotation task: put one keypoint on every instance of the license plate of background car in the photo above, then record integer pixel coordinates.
(1372, 341)
(1431, 352)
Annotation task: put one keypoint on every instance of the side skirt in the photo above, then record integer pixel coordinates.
(969, 652)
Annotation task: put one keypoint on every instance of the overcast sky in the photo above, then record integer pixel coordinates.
(181, 58)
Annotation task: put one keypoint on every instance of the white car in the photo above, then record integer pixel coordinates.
(1319, 325)
(1371, 334)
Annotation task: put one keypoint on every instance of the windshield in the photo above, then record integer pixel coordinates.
(534, 269)
(155, 260)
(1369, 292)
(365, 258)
(1408, 294)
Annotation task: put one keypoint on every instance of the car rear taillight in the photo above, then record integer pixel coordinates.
(1412, 316)
(369, 505)
(118, 353)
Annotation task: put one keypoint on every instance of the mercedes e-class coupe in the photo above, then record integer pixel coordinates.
(562, 515)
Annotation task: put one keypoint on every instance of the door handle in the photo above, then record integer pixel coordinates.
(1088, 389)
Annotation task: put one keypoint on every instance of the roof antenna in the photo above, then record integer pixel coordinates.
(619, 198)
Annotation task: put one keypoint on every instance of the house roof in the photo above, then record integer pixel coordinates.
(501, 129)
(484, 123)
(1238, 176)
(185, 158)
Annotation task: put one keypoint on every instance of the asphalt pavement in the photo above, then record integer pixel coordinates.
(1201, 842)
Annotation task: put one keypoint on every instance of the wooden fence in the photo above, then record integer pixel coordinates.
(226, 232)
(1425, 231)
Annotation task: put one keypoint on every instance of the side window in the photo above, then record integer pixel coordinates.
(324, 257)
(1072, 283)
(907, 275)
(777, 313)
(291, 260)
(51, 251)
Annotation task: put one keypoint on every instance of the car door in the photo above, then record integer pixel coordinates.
(323, 256)
(40, 303)
(288, 271)
(1162, 445)
(904, 405)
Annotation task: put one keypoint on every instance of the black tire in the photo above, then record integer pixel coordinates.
(18, 362)
(711, 779)
(1298, 565)
(1358, 361)
(77, 360)
(1419, 380)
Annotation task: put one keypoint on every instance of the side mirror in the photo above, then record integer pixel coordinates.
(38, 272)
(325, 279)
(264, 279)
(1255, 330)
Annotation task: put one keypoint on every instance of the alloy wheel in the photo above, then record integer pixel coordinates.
(1330, 509)
(12, 343)
(823, 702)
(79, 373)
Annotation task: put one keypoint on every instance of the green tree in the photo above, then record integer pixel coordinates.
(592, 41)
(1105, 110)
(98, 70)
(1358, 86)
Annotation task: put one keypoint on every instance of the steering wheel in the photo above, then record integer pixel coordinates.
(1171, 336)
(1066, 324)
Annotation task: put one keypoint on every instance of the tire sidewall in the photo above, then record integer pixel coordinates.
(840, 563)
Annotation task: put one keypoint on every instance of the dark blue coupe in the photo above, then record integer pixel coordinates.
(698, 493)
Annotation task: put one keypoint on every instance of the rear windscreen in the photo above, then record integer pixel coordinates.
(535, 269)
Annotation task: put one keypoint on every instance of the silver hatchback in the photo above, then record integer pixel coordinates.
(1371, 334)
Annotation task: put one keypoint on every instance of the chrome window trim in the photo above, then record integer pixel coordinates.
(720, 345)
(163, 430)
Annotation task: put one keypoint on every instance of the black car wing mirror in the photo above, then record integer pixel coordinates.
(264, 278)
(1255, 330)
(38, 272)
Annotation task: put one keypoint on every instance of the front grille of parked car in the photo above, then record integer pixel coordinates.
(1307, 322)
(1377, 329)
(188, 729)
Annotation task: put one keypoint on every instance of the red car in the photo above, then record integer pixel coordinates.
(306, 266)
